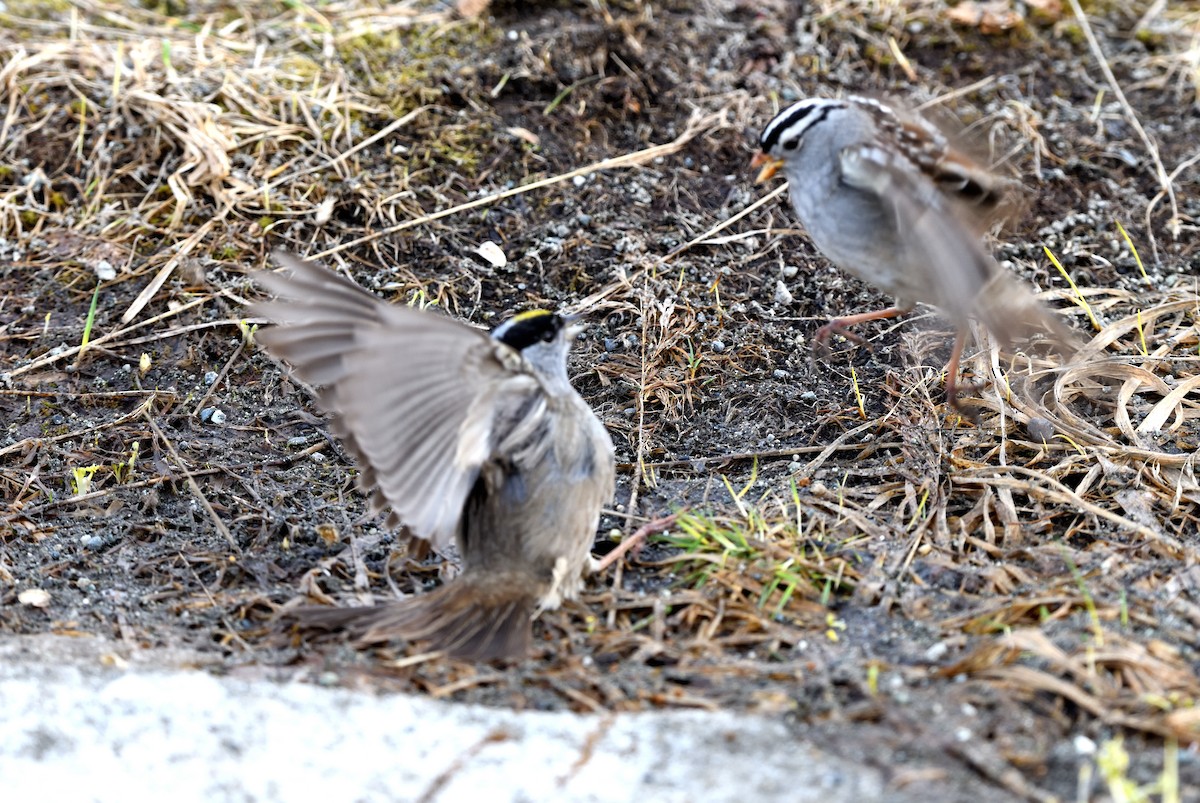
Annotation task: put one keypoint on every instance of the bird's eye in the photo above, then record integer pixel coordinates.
(790, 145)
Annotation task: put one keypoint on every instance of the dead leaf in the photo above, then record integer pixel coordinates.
(472, 8)
(492, 253)
(328, 533)
(1045, 10)
(34, 598)
(990, 18)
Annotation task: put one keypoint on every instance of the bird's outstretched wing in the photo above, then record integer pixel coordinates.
(413, 393)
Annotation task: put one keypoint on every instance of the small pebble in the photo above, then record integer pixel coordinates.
(718, 346)
(783, 296)
(1040, 430)
(779, 373)
(808, 395)
(213, 415)
(210, 377)
(298, 440)
(579, 181)
(937, 651)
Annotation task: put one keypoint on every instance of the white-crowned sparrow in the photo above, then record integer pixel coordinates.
(885, 197)
(470, 439)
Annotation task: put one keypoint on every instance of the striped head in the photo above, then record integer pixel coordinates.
(784, 134)
(530, 328)
(543, 338)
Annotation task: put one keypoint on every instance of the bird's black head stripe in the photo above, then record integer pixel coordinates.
(789, 119)
(528, 328)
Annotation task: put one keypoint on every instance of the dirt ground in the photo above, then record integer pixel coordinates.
(987, 609)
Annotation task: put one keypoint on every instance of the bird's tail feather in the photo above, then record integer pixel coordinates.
(475, 617)
(1013, 314)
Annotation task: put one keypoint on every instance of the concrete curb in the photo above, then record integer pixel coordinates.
(71, 732)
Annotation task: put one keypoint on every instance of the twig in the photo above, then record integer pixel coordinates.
(839, 443)
(193, 485)
(180, 330)
(694, 127)
(656, 526)
(140, 410)
(727, 222)
(772, 453)
(224, 619)
(185, 248)
(1055, 490)
(955, 93)
(217, 382)
(1164, 181)
(639, 456)
(329, 164)
(48, 359)
(161, 478)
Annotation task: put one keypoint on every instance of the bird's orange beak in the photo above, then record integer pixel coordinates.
(769, 165)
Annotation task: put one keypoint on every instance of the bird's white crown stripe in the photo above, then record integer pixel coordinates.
(796, 119)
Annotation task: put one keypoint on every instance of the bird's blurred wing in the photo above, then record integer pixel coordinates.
(412, 392)
(941, 245)
(952, 264)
